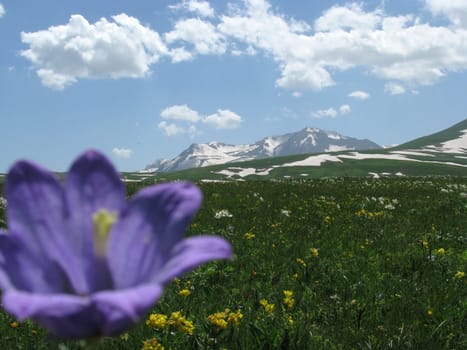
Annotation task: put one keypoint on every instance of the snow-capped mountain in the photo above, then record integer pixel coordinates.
(308, 140)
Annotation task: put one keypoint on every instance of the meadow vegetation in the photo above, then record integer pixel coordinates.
(338, 263)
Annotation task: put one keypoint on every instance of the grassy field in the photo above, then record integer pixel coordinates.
(343, 263)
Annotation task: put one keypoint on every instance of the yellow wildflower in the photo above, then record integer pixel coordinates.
(290, 320)
(14, 324)
(441, 251)
(249, 236)
(301, 262)
(288, 300)
(268, 307)
(184, 292)
(314, 252)
(152, 344)
(430, 312)
(224, 318)
(157, 321)
(181, 323)
(459, 275)
(235, 318)
(218, 319)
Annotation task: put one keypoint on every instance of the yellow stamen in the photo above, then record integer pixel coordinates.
(102, 222)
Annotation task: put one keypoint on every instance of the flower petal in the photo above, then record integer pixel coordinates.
(190, 253)
(92, 184)
(104, 313)
(122, 308)
(31, 305)
(147, 230)
(35, 213)
(19, 269)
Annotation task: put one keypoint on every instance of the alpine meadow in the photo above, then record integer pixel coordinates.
(338, 263)
(233, 175)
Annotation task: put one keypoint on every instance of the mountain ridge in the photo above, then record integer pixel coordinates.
(305, 141)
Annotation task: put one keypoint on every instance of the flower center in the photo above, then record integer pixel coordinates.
(102, 222)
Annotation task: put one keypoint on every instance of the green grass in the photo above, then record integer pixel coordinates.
(384, 277)
(435, 139)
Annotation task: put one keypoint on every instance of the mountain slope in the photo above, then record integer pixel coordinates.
(437, 139)
(308, 140)
(440, 154)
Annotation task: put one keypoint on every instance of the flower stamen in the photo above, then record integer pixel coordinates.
(102, 222)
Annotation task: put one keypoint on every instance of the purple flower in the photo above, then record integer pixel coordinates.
(80, 260)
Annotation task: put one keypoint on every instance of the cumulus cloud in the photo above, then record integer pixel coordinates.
(344, 109)
(2, 11)
(332, 112)
(360, 95)
(106, 49)
(347, 18)
(122, 152)
(394, 89)
(322, 113)
(222, 119)
(400, 49)
(201, 34)
(200, 8)
(394, 48)
(454, 10)
(171, 129)
(181, 112)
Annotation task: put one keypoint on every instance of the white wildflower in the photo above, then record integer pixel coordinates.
(224, 213)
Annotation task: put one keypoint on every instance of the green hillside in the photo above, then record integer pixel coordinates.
(437, 138)
(409, 159)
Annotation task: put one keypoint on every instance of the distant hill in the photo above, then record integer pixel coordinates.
(441, 154)
(437, 139)
(305, 141)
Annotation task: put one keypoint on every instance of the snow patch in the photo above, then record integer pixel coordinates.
(313, 160)
(337, 148)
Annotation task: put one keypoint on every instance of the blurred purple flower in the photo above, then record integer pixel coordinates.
(81, 261)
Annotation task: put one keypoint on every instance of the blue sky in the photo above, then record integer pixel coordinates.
(142, 80)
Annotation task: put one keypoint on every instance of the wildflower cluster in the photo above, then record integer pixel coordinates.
(157, 321)
(369, 214)
(249, 236)
(152, 344)
(288, 300)
(182, 324)
(267, 306)
(225, 318)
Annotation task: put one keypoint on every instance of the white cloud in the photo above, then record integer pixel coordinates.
(394, 48)
(454, 10)
(2, 11)
(399, 49)
(201, 34)
(223, 119)
(181, 112)
(360, 95)
(65, 53)
(122, 152)
(344, 109)
(394, 89)
(347, 17)
(332, 112)
(174, 130)
(180, 54)
(201, 8)
(322, 113)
